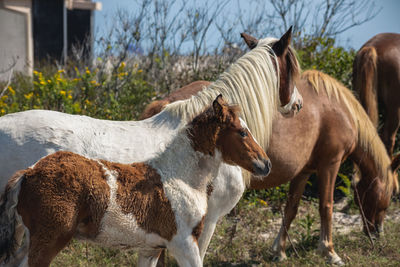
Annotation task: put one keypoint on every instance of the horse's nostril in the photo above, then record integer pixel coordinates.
(269, 164)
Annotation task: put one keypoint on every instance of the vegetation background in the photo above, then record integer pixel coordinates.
(162, 46)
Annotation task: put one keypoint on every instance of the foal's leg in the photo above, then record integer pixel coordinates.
(296, 190)
(50, 231)
(186, 251)
(326, 183)
(45, 245)
(390, 127)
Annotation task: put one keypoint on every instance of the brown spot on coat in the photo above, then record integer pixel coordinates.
(210, 189)
(62, 195)
(140, 192)
(198, 229)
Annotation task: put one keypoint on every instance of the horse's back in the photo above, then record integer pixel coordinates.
(27, 136)
(387, 46)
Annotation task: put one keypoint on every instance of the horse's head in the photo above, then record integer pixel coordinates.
(230, 136)
(374, 198)
(290, 99)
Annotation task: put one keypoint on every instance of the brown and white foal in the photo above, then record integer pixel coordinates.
(152, 205)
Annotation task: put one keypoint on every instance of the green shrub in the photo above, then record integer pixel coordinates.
(119, 96)
(320, 53)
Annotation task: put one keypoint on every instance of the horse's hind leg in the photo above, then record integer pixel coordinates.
(390, 127)
(44, 247)
(326, 182)
(296, 190)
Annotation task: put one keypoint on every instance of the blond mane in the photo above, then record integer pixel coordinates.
(252, 83)
(368, 137)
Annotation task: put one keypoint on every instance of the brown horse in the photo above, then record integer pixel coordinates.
(160, 203)
(331, 127)
(376, 77)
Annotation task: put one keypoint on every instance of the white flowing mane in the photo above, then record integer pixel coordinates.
(252, 83)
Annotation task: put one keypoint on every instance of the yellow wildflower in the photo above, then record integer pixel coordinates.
(3, 111)
(69, 96)
(93, 82)
(49, 81)
(87, 70)
(11, 90)
(28, 96)
(87, 102)
(35, 72)
(140, 71)
(263, 202)
(122, 64)
(61, 71)
(62, 92)
(4, 97)
(42, 82)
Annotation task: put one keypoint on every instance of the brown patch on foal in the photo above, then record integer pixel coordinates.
(62, 195)
(140, 192)
(198, 229)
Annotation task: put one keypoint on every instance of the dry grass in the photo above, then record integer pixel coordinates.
(245, 239)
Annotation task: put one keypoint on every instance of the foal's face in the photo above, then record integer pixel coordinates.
(236, 143)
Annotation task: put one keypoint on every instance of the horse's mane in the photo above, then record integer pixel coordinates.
(368, 137)
(250, 82)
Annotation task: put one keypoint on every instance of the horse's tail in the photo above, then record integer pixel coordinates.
(153, 108)
(10, 221)
(365, 81)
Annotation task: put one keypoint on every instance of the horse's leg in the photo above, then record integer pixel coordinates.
(186, 251)
(148, 258)
(209, 226)
(45, 245)
(390, 127)
(228, 188)
(296, 190)
(326, 182)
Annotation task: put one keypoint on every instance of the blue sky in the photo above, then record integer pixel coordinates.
(388, 20)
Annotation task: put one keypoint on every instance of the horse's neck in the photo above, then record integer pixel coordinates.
(180, 161)
(365, 163)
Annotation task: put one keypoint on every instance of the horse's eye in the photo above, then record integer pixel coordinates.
(243, 133)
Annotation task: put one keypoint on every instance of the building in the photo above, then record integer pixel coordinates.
(35, 30)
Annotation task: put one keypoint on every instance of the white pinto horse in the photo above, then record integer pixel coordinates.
(148, 205)
(259, 82)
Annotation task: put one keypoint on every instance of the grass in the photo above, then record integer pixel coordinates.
(245, 239)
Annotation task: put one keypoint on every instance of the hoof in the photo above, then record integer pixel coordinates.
(336, 260)
(279, 257)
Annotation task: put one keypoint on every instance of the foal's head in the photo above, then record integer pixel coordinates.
(289, 70)
(220, 128)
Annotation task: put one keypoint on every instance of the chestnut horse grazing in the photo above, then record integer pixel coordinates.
(376, 78)
(260, 81)
(331, 127)
(160, 203)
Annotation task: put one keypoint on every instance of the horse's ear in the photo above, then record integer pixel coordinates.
(396, 163)
(249, 40)
(220, 108)
(280, 48)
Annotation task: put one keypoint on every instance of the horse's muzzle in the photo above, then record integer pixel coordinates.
(261, 167)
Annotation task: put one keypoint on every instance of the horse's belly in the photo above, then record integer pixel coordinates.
(122, 230)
